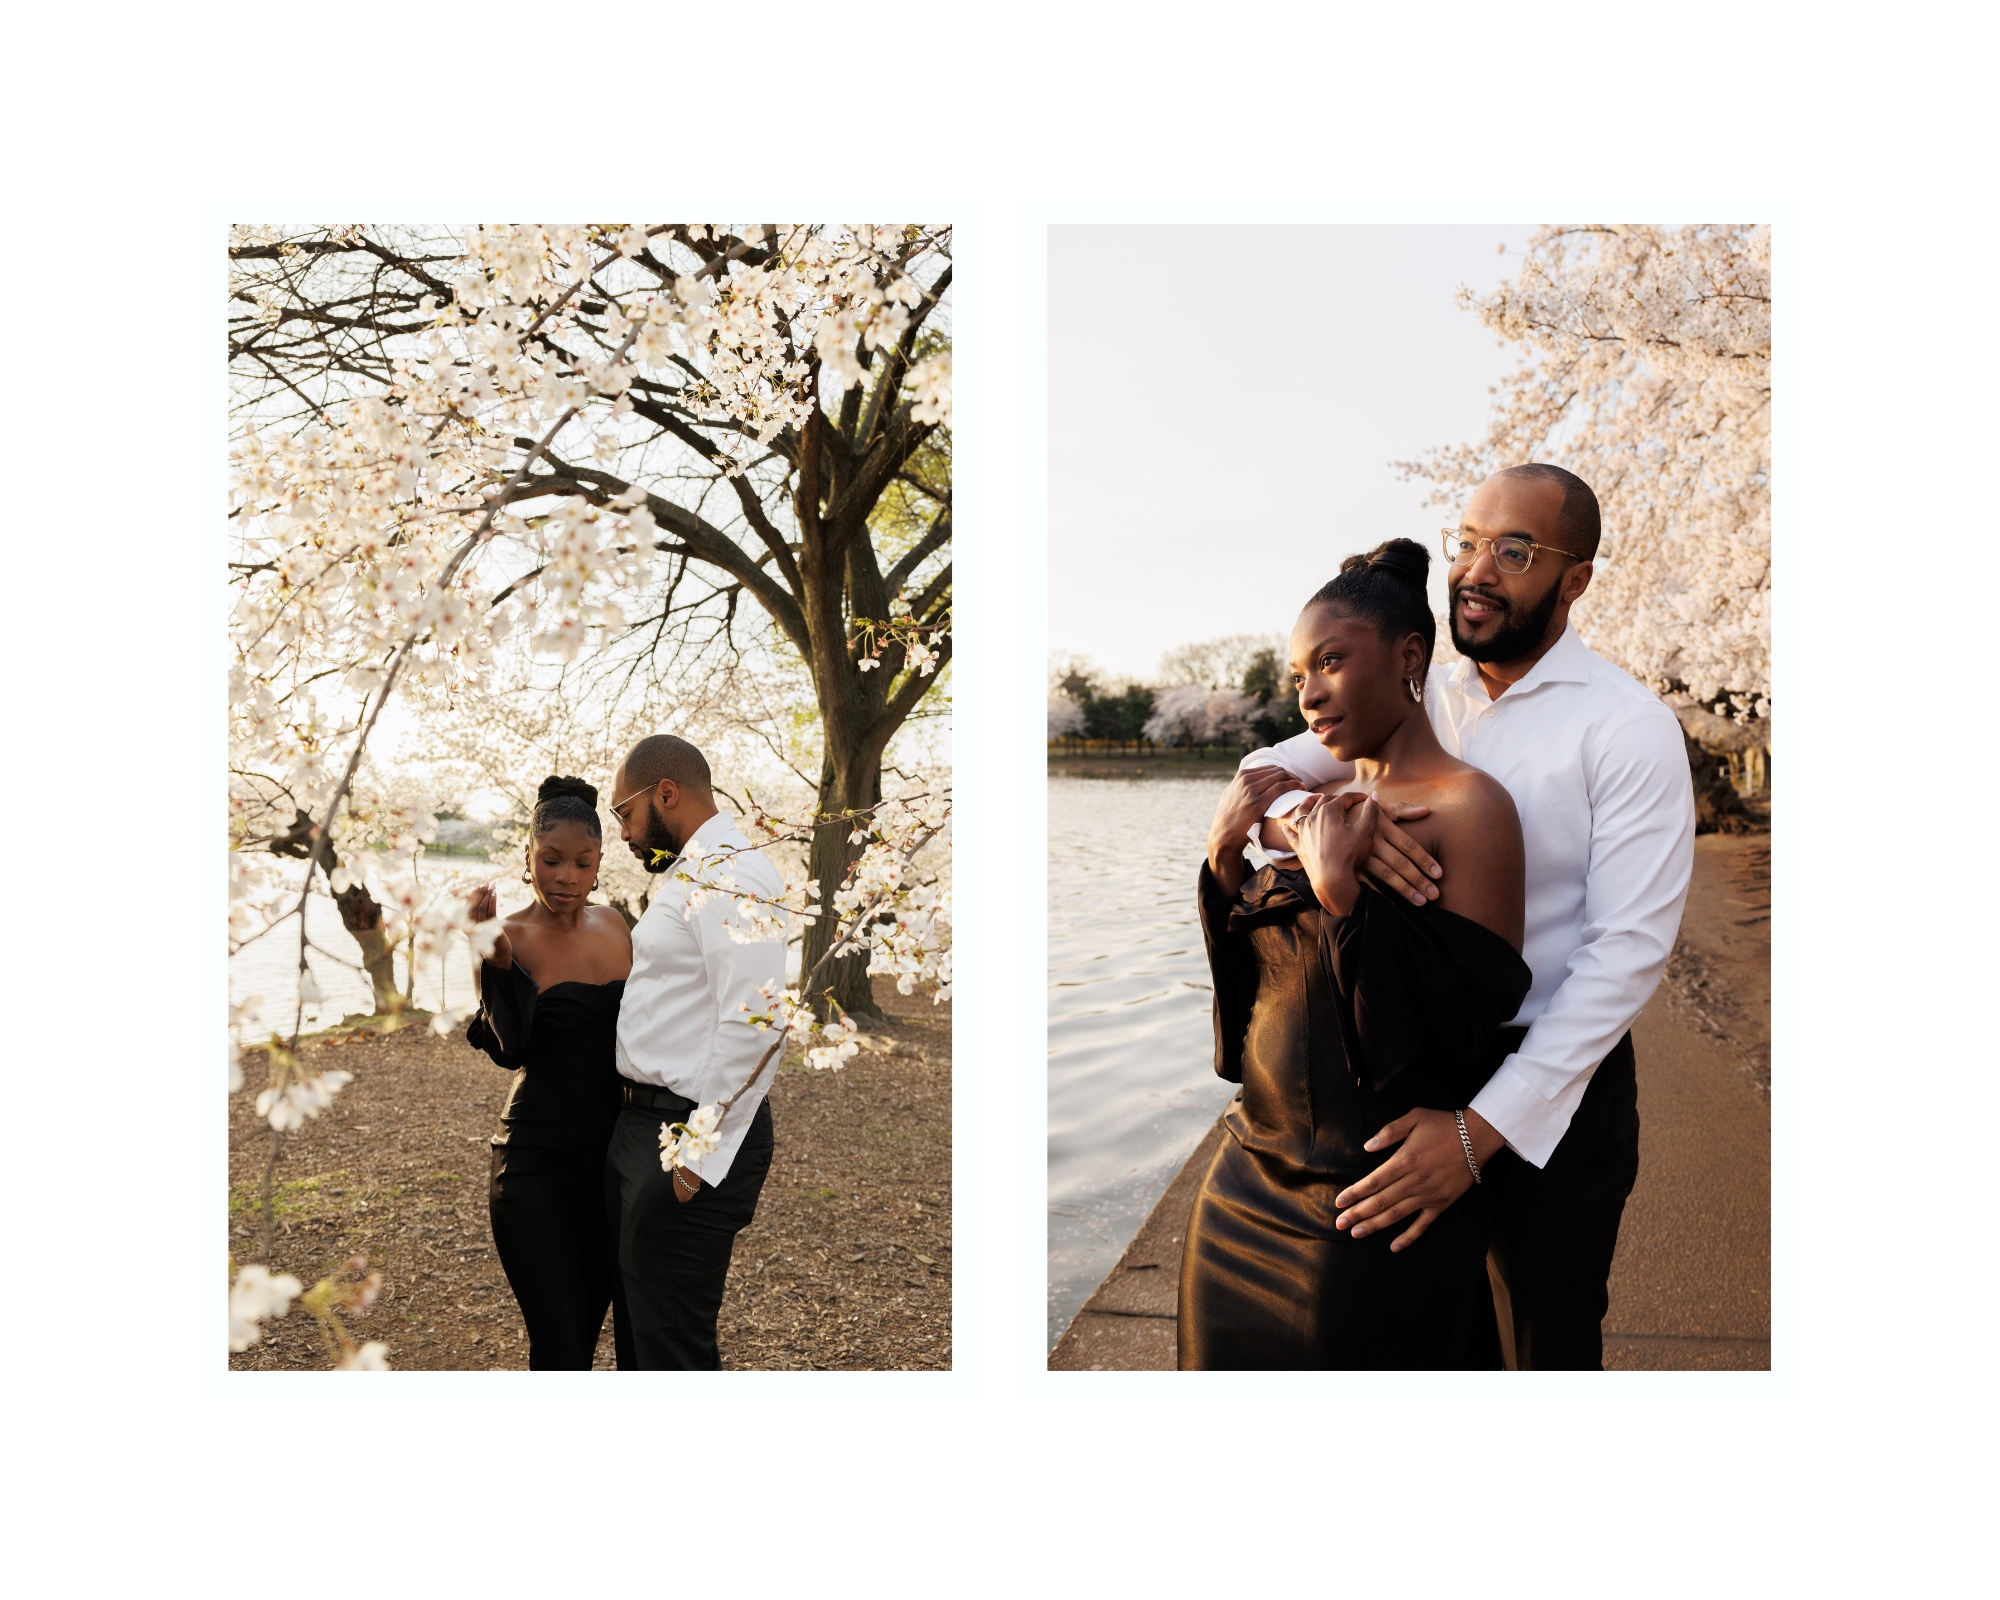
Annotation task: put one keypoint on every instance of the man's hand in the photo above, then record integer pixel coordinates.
(1396, 862)
(1400, 865)
(1242, 803)
(687, 1185)
(1423, 1177)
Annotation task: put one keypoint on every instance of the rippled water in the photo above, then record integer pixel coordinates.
(268, 969)
(1132, 1084)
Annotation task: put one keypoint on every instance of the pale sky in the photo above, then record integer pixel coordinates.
(1224, 403)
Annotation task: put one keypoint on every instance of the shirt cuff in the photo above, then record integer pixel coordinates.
(1285, 803)
(714, 1167)
(1531, 1122)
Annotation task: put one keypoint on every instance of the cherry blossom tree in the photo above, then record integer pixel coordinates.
(1218, 663)
(767, 407)
(1647, 372)
(456, 445)
(1192, 714)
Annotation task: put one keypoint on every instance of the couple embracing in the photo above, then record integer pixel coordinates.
(615, 1033)
(1475, 876)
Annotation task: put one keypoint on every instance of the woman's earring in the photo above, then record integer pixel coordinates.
(525, 877)
(1416, 690)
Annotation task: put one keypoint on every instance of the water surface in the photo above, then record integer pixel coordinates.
(1132, 1084)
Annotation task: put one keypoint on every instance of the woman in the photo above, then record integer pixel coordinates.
(1340, 1008)
(549, 1007)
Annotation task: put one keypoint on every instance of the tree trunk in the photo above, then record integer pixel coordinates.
(828, 861)
(1717, 806)
(359, 913)
(362, 917)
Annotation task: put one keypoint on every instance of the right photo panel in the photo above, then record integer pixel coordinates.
(1409, 797)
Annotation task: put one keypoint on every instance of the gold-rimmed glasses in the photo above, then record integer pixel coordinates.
(1513, 553)
(617, 808)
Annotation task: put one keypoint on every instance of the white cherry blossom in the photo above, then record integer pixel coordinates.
(1648, 374)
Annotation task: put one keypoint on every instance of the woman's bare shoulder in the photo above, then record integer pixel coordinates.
(1473, 797)
(606, 919)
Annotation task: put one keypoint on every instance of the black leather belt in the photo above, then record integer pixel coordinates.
(648, 1098)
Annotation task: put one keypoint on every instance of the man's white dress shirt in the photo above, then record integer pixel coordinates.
(1598, 770)
(681, 1023)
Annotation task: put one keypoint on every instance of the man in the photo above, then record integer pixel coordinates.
(1598, 771)
(684, 1041)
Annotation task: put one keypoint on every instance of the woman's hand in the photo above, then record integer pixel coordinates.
(491, 944)
(1334, 836)
(1241, 807)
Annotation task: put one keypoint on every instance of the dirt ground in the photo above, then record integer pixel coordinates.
(1718, 980)
(846, 1267)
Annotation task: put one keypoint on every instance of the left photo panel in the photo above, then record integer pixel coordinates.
(589, 790)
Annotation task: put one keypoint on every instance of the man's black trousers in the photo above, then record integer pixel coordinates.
(1555, 1228)
(673, 1256)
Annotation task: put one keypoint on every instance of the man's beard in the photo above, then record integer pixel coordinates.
(1519, 633)
(655, 836)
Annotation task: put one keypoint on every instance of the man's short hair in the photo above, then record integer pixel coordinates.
(661, 755)
(1578, 522)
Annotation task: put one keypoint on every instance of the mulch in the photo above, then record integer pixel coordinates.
(847, 1266)
(1718, 978)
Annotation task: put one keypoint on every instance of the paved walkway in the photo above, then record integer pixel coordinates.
(1691, 1285)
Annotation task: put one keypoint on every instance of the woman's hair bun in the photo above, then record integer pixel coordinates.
(1404, 557)
(554, 788)
(1387, 586)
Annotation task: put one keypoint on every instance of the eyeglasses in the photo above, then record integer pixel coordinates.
(618, 808)
(1511, 552)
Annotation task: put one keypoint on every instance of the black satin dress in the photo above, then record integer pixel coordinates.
(546, 1197)
(1335, 1026)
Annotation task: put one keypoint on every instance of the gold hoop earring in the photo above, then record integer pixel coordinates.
(1416, 690)
(525, 877)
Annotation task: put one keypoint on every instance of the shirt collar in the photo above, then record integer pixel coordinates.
(712, 832)
(1567, 661)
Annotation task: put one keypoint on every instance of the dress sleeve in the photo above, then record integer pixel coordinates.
(1234, 970)
(1423, 987)
(506, 1013)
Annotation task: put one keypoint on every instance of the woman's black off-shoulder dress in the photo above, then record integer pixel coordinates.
(546, 1197)
(1334, 1027)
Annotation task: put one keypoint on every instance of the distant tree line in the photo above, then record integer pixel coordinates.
(1237, 702)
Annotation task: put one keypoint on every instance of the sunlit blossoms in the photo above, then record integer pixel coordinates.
(370, 1357)
(696, 1137)
(1649, 376)
(1191, 714)
(254, 1298)
(293, 1096)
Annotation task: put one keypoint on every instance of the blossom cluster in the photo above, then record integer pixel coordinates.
(256, 1296)
(1192, 714)
(912, 643)
(1648, 374)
